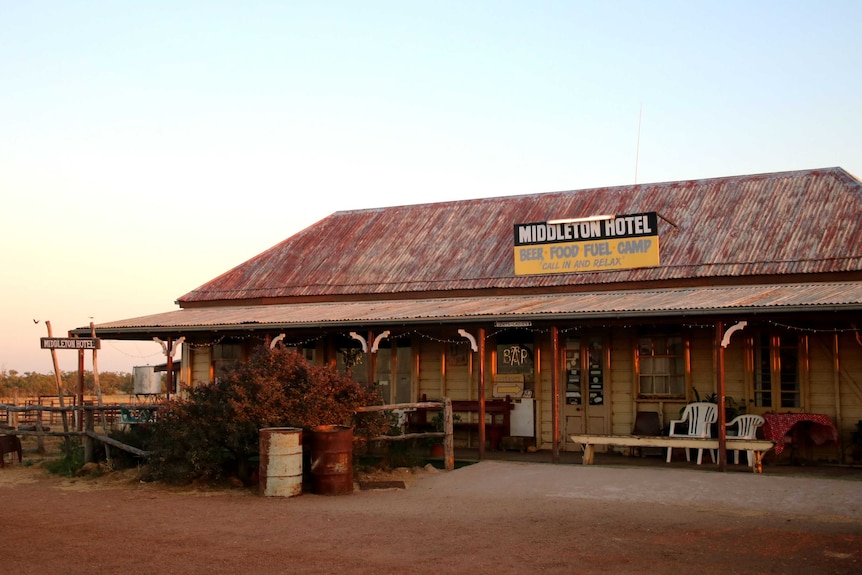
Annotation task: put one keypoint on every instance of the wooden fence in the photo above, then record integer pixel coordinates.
(39, 421)
(446, 434)
(84, 421)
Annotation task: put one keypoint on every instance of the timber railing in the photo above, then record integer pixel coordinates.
(446, 434)
(85, 421)
(29, 420)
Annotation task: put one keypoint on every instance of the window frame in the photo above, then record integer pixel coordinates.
(777, 352)
(220, 361)
(641, 360)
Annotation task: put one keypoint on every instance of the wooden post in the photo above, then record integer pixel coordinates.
(836, 386)
(98, 389)
(555, 395)
(722, 423)
(444, 361)
(170, 369)
(12, 418)
(89, 445)
(481, 341)
(60, 394)
(79, 423)
(40, 437)
(372, 359)
(448, 441)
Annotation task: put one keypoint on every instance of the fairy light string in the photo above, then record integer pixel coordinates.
(310, 341)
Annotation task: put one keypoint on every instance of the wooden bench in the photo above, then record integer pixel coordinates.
(758, 446)
(496, 429)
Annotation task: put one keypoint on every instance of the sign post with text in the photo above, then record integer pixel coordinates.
(71, 343)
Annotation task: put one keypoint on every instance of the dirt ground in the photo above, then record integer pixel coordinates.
(495, 517)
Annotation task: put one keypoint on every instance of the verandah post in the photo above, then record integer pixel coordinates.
(722, 423)
(555, 394)
(481, 341)
(448, 440)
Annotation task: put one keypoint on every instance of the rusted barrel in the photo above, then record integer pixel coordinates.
(281, 461)
(332, 459)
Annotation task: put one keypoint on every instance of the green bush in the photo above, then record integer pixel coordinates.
(139, 436)
(212, 433)
(71, 461)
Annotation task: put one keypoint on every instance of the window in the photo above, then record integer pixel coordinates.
(351, 360)
(306, 352)
(776, 372)
(224, 356)
(661, 365)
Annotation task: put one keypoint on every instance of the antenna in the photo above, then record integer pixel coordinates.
(638, 151)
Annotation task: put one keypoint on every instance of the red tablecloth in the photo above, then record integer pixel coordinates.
(779, 425)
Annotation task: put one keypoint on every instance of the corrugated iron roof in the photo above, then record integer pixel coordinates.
(836, 296)
(802, 222)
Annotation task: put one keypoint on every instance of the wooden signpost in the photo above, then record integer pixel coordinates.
(79, 344)
(53, 344)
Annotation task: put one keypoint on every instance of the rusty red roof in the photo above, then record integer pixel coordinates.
(766, 225)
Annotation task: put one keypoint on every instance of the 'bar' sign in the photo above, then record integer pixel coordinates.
(71, 343)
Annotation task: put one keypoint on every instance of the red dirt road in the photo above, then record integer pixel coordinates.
(493, 517)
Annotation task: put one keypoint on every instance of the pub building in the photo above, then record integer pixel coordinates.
(581, 308)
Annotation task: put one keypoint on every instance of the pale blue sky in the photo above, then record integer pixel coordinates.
(147, 147)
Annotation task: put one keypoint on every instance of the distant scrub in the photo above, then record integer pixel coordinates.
(31, 384)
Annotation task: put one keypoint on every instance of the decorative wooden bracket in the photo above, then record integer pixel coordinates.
(725, 341)
(275, 340)
(174, 346)
(473, 346)
(361, 341)
(378, 339)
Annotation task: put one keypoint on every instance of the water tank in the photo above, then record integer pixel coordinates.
(147, 381)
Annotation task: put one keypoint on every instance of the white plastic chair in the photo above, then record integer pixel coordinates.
(700, 417)
(746, 426)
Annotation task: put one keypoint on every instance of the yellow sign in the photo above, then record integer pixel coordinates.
(621, 242)
(587, 256)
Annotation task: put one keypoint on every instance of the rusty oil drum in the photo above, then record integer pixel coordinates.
(281, 461)
(332, 460)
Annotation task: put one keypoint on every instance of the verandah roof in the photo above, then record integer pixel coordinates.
(649, 303)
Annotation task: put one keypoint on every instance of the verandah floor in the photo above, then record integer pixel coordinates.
(773, 464)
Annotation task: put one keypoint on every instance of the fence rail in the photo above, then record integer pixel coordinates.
(446, 434)
(84, 417)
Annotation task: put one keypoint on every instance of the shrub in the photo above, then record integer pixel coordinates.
(71, 461)
(213, 432)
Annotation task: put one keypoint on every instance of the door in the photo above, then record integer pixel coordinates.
(584, 403)
(395, 372)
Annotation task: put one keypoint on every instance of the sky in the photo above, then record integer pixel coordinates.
(148, 147)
